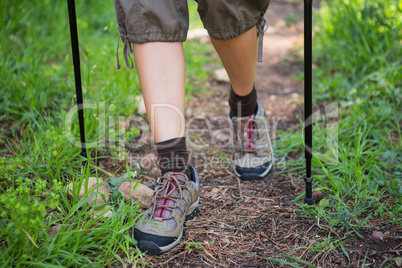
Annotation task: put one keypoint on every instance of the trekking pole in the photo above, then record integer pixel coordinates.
(77, 71)
(308, 127)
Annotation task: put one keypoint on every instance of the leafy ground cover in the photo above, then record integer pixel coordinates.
(37, 158)
(357, 138)
(359, 72)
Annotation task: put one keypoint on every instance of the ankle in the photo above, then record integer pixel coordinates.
(241, 106)
(173, 156)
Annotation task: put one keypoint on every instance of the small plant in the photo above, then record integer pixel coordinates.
(118, 140)
(8, 167)
(114, 183)
(195, 245)
(24, 209)
(131, 134)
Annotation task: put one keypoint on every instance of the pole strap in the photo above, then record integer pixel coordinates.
(262, 26)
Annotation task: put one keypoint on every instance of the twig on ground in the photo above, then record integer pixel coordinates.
(241, 228)
(261, 198)
(223, 227)
(309, 229)
(323, 226)
(259, 240)
(240, 190)
(101, 170)
(173, 257)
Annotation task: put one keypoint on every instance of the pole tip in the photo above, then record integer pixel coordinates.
(83, 153)
(309, 201)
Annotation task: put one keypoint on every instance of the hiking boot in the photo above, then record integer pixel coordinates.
(253, 156)
(175, 200)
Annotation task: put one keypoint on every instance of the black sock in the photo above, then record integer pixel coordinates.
(241, 106)
(173, 156)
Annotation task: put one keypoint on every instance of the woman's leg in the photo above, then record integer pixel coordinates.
(158, 29)
(161, 69)
(239, 57)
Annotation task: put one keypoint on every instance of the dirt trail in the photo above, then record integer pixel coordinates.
(235, 225)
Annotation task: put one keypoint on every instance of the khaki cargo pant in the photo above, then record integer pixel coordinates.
(142, 21)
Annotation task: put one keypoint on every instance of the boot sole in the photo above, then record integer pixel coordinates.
(252, 176)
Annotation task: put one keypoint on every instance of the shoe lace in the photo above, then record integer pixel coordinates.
(166, 187)
(246, 125)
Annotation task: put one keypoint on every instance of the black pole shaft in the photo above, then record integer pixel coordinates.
(308, 131)
(77, 71)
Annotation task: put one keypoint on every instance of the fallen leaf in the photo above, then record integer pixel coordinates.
(212, 192)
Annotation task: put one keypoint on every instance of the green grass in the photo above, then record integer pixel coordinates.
(37, 159)
(357, 162)
(358, 55)
(359, 171)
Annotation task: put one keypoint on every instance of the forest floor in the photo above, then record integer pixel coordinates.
(257, 223)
